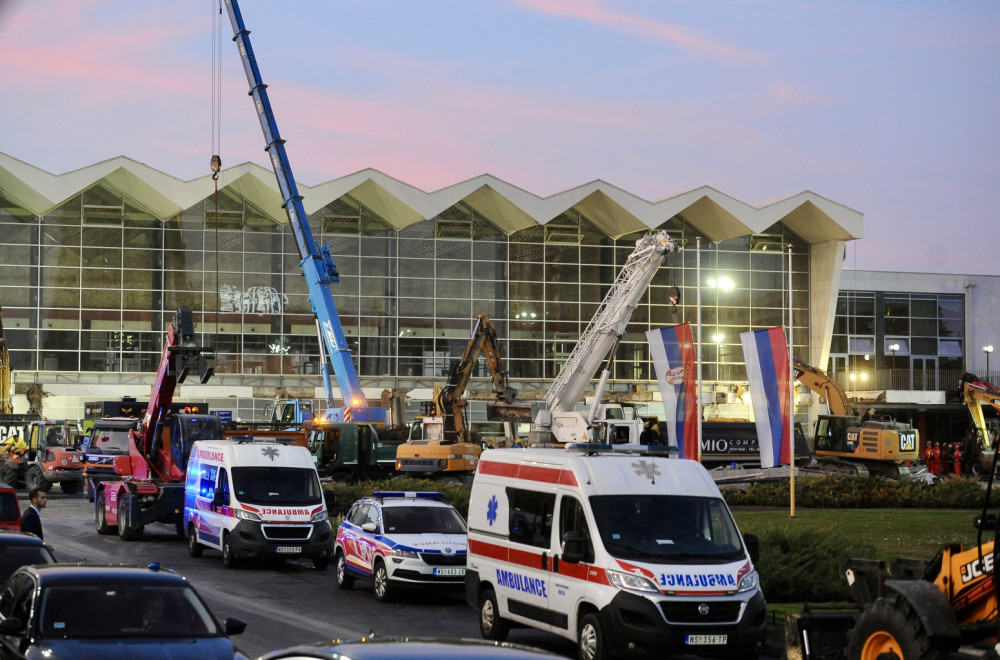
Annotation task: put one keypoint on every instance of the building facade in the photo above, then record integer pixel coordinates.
(95, 262)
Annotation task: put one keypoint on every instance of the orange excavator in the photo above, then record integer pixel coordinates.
(980, 445)
(844, 443)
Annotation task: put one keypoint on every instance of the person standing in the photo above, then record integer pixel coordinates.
(31, 521)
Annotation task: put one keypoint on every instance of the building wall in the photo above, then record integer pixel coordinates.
(89, 285)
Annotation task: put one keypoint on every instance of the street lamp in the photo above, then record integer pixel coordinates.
(988, 350)
(892, 350)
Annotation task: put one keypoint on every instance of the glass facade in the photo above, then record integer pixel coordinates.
(91, 286)
(892, 340)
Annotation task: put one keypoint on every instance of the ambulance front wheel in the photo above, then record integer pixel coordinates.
(228, 554)
(195, 549)
(491, 625)
(591, 643)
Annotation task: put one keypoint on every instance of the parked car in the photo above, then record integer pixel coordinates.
(399, 539)
(19, 549)
(106, 611)
(386, 648)
(10, 510)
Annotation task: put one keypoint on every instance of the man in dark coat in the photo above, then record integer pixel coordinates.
(31, 521)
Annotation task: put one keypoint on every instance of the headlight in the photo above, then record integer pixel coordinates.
(319, 516)
(247, 515)
(631, 582)
(749, 582)
(405, 554)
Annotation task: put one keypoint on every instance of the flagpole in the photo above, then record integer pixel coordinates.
(697, 271)
(791, 386)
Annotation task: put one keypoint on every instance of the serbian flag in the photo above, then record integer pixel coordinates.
(672, 350)
(766, 354)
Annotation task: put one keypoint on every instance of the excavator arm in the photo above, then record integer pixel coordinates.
(449, 402)
(976, 393)
(830, 392)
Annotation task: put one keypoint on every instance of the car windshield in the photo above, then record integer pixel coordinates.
(422, 520)
(667, 529)
(13, 557)
(109, 441)
(276, 485)
(110, 610)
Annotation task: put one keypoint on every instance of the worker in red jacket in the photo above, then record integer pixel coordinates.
(957, 457)
(934, 459)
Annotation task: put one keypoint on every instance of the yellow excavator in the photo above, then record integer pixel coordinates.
(844, 443)
(980, 445)
(442, 443)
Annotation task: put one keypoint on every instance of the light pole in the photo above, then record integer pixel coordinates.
(892, 350)
(988, 350)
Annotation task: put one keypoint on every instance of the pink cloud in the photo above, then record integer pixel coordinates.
(593, 12)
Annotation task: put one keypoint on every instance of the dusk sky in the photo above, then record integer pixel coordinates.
(889, 107)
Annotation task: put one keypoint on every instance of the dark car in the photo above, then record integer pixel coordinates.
(419, 648)
(19, 549)
(109, 611)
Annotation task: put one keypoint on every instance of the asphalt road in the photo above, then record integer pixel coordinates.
(284, 603)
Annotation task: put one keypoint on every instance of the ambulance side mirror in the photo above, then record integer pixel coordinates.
(574, 546)
(219, 498)
(752, 542)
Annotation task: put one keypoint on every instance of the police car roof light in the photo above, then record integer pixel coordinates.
(427, 495)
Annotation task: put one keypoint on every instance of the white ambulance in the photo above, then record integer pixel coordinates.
(252, 498)
(625, 551)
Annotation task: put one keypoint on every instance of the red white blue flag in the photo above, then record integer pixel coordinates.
(766, 353)
(672, 350)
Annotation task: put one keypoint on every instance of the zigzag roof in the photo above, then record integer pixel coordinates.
(615, 211)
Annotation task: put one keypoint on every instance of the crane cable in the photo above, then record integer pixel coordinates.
(216, 162)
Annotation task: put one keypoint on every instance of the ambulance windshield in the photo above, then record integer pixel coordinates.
(667, 529)
(276, 485)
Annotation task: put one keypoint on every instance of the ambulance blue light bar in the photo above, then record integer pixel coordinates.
(425, 495)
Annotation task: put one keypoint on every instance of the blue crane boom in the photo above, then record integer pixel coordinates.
(317, 263)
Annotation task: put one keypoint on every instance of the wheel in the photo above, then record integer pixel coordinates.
(491, 625)
(228, 554)
(125, 531)
(194, 548)
(890, 628)
(344, 579)
(382, 588)
(88, 489)
(102, 524)
(320, 563)
(590, 641)
(70, 487)
(35, 478)
(9, 475)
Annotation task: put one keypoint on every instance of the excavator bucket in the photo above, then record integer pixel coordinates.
(497, 411)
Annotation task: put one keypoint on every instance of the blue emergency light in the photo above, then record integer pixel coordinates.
(424, 495)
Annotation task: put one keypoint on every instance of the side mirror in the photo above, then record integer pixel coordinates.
(574, 546)
(370, 527)
(752, 542)
(234, 626)
(219, 498)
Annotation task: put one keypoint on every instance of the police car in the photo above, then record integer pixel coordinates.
(401, 539)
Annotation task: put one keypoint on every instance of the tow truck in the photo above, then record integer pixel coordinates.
(442, 442)
(150, 479)
(845, 444)
(559, 422)
(317, 262)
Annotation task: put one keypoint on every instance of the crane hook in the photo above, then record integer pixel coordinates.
(216, 167)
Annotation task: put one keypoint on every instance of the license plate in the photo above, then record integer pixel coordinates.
(704, 640)
(449, 571)
(288, 549)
